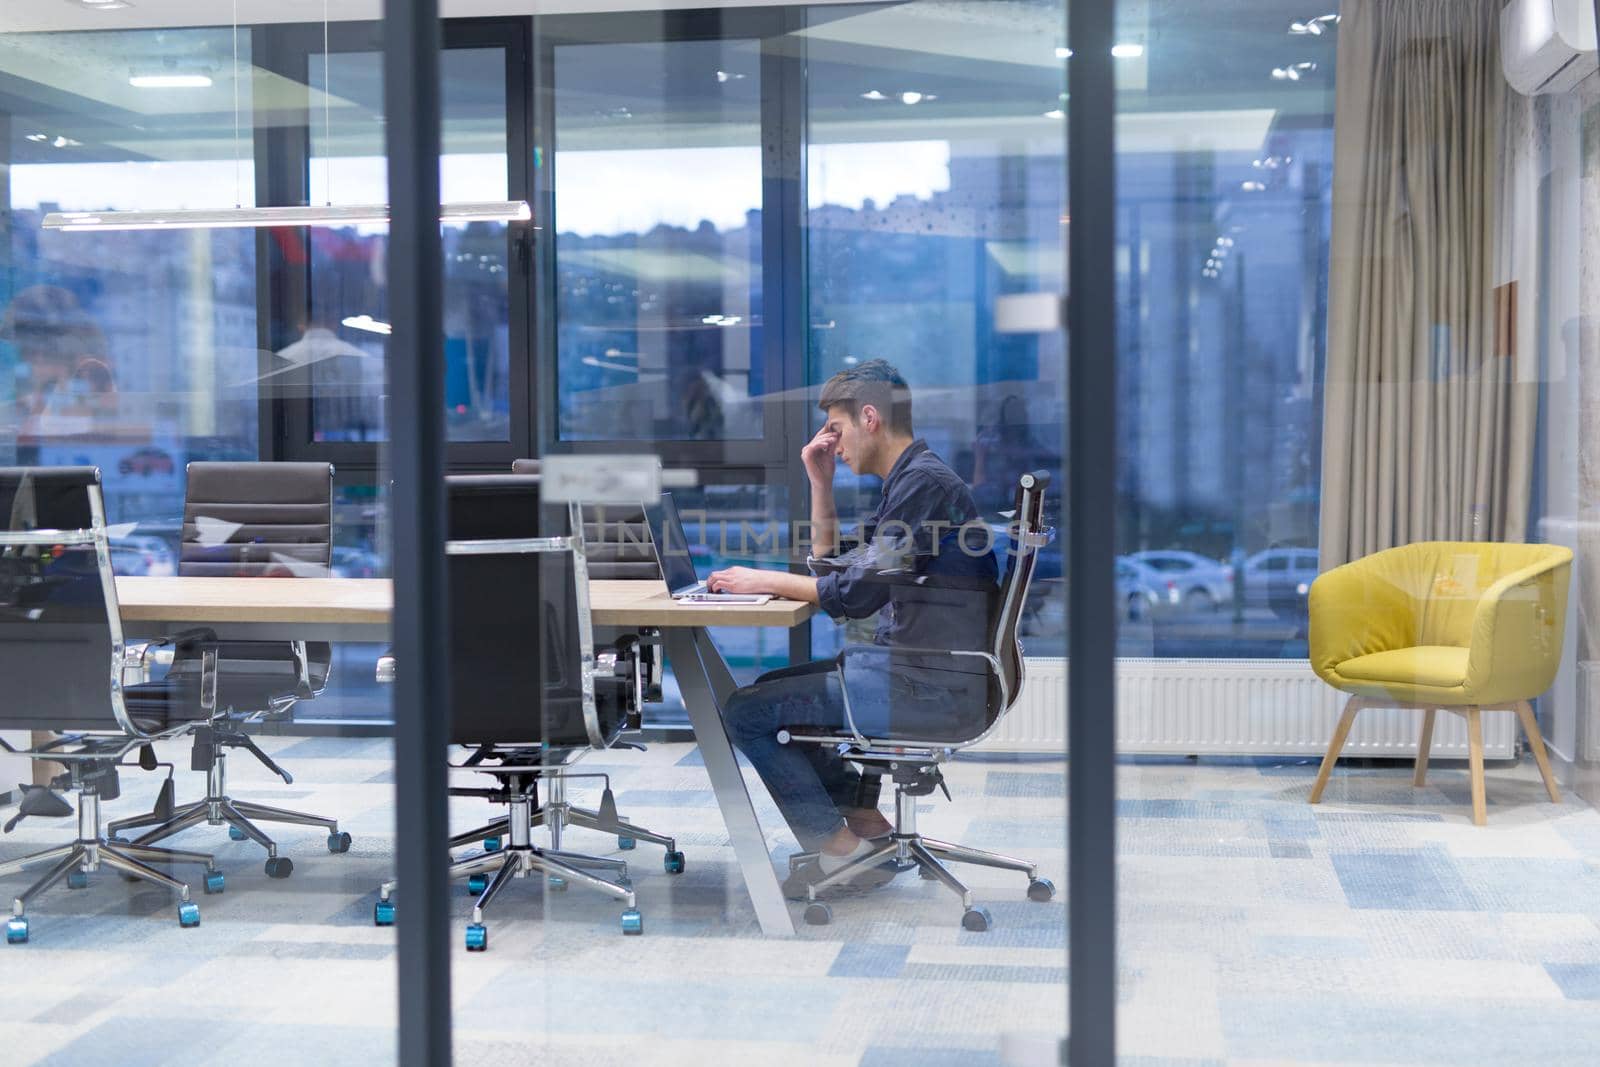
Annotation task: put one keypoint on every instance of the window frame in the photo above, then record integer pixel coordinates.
(283, 156)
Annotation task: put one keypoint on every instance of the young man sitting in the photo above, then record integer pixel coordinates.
(917, 531)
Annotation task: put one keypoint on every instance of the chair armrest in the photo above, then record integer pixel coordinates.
(1356, 610)
(1518, 629)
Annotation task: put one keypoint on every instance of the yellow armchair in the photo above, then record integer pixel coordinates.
(1464, 626)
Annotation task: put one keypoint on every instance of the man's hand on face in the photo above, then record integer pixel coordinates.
(739, 580)
(817, 456)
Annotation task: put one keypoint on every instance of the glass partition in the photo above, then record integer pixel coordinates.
(231, 844)
(1355, 245)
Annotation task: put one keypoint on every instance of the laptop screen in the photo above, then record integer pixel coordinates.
(672, 546)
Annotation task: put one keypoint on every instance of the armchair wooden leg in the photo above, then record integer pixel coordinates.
(1475, 759)
(1340, 734)
(1424, 748)
(1530, 726)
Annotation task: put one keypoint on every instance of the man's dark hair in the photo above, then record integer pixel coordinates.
(874, 382)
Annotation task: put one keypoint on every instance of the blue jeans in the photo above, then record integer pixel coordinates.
(811, 783)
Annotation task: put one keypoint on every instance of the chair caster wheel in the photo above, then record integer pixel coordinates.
(214, 882)
(237, 834)
(673, 862)
(339, 842)
(627, 844)
(557, 884)
(477, 937)
(17, 930)
(632, 922)
(78, 880)
(491, 844)
(188, 914)
(477, 883)
(818, 914)
(1041, 889)
(279, 867)
(977, 920)
(383, 913)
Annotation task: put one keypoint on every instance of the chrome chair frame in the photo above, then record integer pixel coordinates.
(80, 751)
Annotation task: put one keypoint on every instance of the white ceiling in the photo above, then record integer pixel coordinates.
(31, 15)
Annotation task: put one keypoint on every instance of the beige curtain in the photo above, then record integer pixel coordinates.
(1428, 424)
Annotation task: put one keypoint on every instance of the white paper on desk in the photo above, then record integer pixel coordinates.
(211, 531)
(300, 568)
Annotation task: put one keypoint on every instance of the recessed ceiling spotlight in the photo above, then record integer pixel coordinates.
(729, 76)
(170, 81)
(1293, 72)
(1127, 51)
(1252, 187)
(1055, 113)
(1063, 52)
(103, 5)
(909, 97)
(1313, 27)
(873, 94)
(38, 137)
(65, 142)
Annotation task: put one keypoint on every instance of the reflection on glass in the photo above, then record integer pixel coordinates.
(338, 339)
(658, 258)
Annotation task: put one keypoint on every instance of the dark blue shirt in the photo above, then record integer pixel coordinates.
(925, 561)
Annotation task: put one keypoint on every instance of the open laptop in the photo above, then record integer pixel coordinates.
(677, 567)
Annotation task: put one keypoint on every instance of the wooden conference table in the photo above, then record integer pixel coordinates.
(358, 609)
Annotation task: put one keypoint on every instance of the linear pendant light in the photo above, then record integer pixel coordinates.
(240, 217)
(257, 217)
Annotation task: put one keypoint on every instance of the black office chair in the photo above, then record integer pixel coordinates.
(249, 520)
(511, 588)
(616, 545)
(61, 658)
(911, 746)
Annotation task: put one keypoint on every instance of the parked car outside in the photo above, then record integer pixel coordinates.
(349, 562)
(1204, 584)
(1143, 591)
(143, 555)
(1280, 579)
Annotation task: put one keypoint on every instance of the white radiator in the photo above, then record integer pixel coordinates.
(1238, 707)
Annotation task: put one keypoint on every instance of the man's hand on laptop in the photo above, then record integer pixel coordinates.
(740, 580)
(751, 581)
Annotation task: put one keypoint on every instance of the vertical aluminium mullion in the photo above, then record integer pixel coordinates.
(411, 36)
(1091, 503)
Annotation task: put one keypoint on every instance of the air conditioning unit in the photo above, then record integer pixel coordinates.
(1548, 46)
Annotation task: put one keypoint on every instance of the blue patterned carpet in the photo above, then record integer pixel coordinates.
(1379, 928)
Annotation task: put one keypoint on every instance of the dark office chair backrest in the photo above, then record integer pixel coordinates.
(58, 608)
(1027, 535)
(516, 669)
(254, 519)
(616, 537)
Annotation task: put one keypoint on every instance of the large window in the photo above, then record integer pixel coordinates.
(658, 186)
(131, 351)
(330, 304)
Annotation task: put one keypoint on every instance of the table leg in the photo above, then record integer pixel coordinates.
(722, 683)
(700, 678)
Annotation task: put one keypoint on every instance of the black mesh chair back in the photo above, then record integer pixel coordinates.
(616, 537)
(517, 636)
(252, 519)
(60, 631)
